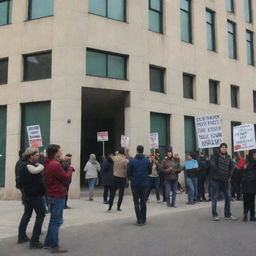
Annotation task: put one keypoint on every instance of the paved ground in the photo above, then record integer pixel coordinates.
(90, 231)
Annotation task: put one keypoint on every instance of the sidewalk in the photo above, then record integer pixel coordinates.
(87, 212)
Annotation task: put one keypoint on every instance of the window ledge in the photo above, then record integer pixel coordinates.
(26, 81)
(98, 15)
(159, 33)
(27, 20)
(119, 79)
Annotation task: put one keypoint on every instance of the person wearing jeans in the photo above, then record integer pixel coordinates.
(171, 187)
(56, 178)
(91, 185)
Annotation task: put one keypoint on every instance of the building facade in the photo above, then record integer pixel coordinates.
(123, 66)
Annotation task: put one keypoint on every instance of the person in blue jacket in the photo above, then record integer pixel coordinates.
(139, 169)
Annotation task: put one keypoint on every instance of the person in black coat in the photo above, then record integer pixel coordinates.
(249, 186)
(107, 177)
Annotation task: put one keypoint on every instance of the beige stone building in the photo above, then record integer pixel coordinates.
(129, 67)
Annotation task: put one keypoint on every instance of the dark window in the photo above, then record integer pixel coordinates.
(190, 134)
(40, 8)
(233, 124)
(232, 40)
(37, 66)
(213, 91)
(113, 9)
(3, 71)
(185, 21)
(234, 91)
(106, 64)
(156, 76)
(254, 101)
(188, 86)
(249, 46)
(5, 12)
(156, 15)
(248, 11)
(230, 6)
(210, 23)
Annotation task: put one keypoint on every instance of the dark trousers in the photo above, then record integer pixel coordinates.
(154, 182)
(139, 200)
(66, 199)
(119, 183)
(30, 204)
(201, 187)
(162, 186)
(249, 204)
(106, 193)
(236, 188)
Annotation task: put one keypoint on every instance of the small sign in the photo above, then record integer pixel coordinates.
(244, 137)
(34, 136)
(102, 136)
(125, 141)
(153, 140)
(209, 131)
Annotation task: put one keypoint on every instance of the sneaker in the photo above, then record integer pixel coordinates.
(119, 209)
(23, 240)
(168, 205)
(231, 218)
(58, 250)
(252, 219)
(215, 218)
(105, 202)
(36, 245)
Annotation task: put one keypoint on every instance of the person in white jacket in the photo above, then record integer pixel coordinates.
(91, 170)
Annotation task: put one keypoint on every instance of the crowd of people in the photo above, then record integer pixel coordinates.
(44, 182)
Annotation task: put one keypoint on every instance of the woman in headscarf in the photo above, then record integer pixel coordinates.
(91, 170)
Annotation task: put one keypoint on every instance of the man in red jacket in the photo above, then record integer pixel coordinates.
(56, 179)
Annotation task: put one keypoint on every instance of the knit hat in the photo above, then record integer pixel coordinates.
(223, 145)
(168, 149)
(30, 151)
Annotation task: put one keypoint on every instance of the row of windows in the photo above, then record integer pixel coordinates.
(111, 65)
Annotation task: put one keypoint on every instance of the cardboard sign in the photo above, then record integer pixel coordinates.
(34, 136)
(153, 140)
(209, 131)
(102, 136)
(125, 141)
(244, 137)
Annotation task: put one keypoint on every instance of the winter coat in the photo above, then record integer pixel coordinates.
(120, 166)
(249, 178)
(91, 170)
(204, 166)
(191, 168)
(107, 173)
(238, 170)
(173, 163)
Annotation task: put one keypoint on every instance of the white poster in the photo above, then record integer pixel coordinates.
(102, 136)
(244, 137)
(125, 141)
(209, 131)
(153, 140)
(34, 136)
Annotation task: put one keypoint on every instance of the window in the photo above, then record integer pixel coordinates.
(188, 86)
(106, 64)
(213, 91)
(232, 40)
(37, 66)
(230, 6)
(156, 76)
(40, 8)
(3, 124)
(210, 23)
(160, 123)
(254, 101)
(248, 10)
(3, 71)
(113, 9)
(190, 135)
(185, 21)
(5, 12)
(156, 15)
(234, 91)
(249, 46)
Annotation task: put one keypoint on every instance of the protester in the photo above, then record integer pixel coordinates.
(119, 179)
(18, 170)
(191, 169)
(33, 190)
(91, 170)
(202, 176)
(221, 167)
(138, 170)
(237, 175)
(158, 160)
(171, 169)
(249, 186)
(56, 178)
(107, 177)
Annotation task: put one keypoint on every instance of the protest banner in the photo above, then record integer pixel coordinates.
(209, 131)
(125, 141)
(102, 137)
(153, 140)
(34, 136)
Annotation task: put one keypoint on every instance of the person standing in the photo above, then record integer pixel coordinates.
(119, 179)
(91, 170)
(202, 176)
(107, 177)
(138, 170)
(56, 179)
(221, 167)
(33, 191)
(171, 169)
(249, 186)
